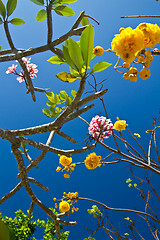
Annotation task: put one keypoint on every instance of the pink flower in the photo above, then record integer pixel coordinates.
(32, 69)
(21, 77)
(100, 127)
(11, 69)
(26, 60)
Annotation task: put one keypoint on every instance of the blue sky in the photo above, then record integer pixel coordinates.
(137, 103)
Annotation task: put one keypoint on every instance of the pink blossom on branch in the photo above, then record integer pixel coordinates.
(100, 127)
(32, 69)
(11, 69)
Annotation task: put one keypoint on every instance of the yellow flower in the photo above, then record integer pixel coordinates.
(120, 125)
(128, 43)
(58, 169)
(133, 77)
(66, 175)
(65, 161)
(92, 161)
(133, 70)
(145, 73)
(98, 51)
(64, 206)
(151, 34)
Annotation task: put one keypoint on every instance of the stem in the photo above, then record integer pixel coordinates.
(9, 36)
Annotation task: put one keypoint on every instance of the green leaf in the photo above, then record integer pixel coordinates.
(17, 21)
(84, 21)
(73, 92)
(4, 233)
(1, 21)
(68, 58)
(41, 15)
(47, 113)
(54, 5)
(66, 77)
(128, 180)
(68, 1)
(2, 9)
(75, 53)
(64, 11)
(100, 67)
(55, 60)
(86, 43)
(51, 97)
(38, 2)
(11, 5)
(23, 145)
(69, 101)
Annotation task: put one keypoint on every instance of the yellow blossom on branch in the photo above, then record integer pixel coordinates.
(65, 161)
(145, 73)
(128, 43)
(58, 169)
(151, 34)
(66, 175)
(98, 51)
(120, 125)
(64, 206)
(92, 161)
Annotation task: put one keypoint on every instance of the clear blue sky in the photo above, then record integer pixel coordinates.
(137, 103)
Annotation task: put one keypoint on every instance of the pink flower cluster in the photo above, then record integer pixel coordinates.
(32, 69)
(100, 127)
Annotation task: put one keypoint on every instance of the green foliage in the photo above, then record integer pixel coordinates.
(89, 238)
(66, 77)
(56, 60)
(95, 211)
(67, 1)
(75, 53)
(64, 10)
(100, 67)
(41, 15)
(85, 21)
(5, 232)
(128, 180)
(78, 56)
(86, 43)
(23, 227)
(17, 21)
(2, 10)
(57, 99)
(38, 2)
(128, 219)
(130, 184)
(11, 5)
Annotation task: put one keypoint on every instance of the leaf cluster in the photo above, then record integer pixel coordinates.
(59, 7)
(23, 227)
(78, 56)
(62, 99)
(6, 11)
(95, 211)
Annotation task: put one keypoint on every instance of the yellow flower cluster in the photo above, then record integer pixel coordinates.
(67, 202)
(67, 165)
(128, 43)
(120, 125)
(64, 206)
(151, 34)
(92, 161)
